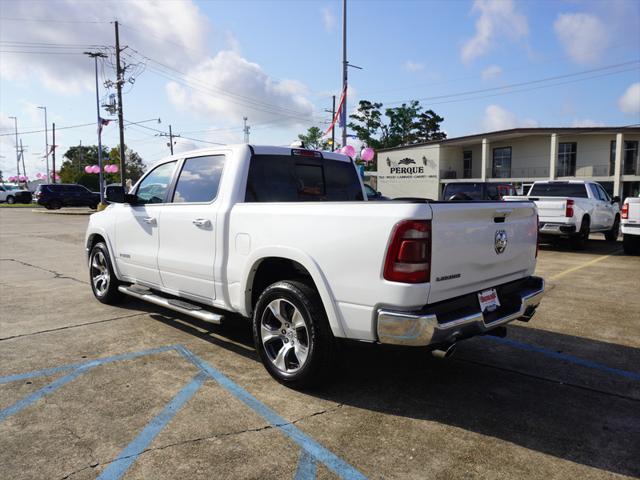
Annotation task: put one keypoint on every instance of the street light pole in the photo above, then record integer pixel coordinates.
(95, 56)
(46, 141)
(345, 65)
(15, 119)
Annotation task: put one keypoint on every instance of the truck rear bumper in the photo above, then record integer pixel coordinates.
(552, 228)
(458, 318)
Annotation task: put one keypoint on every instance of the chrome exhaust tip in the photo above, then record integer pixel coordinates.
(444, 352)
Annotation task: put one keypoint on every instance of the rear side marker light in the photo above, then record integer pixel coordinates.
(408, 257)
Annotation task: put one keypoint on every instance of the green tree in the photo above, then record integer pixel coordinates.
(427, 127)
(369, 127)
(78, 157)
(134, 165)
(402, 121)
(313, 139)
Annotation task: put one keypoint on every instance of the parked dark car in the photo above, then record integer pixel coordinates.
(477, 191)
(54, 196)
(373, 194)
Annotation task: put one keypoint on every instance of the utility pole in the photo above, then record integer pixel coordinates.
(246, 130)
(171, 137)
(95, 56)
(15, 119)
(24, 170)
(345, 64)
(333, 130)
(46, 140)
(53, 154)
(119, 82)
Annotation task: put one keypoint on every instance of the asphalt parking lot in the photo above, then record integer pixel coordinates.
(88, 390)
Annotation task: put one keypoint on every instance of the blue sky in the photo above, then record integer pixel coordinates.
(207, 64)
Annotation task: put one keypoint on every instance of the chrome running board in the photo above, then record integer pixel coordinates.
(176, 305)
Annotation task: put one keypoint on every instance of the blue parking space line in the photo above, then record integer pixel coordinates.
(307, 468)
(129, 455)
(46, 390)
(317, 451)
(99, 361)
(567, 358)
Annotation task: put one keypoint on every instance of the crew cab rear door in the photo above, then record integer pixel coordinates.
(187, 245)
(478, 245)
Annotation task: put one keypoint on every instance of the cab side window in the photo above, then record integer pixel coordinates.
(153, 188)
(199, 179)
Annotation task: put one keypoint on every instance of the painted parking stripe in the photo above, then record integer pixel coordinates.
(320, 453)
(46, 390)
(567, 358)
(307, 468)
(129, 455)
(65, 368)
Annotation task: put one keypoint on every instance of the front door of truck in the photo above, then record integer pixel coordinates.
(137, 227)
(187, 248)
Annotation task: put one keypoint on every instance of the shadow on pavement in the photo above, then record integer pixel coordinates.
(572, 423)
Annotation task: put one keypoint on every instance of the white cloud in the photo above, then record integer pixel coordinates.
(328, 19)
(411, 66)
(498, 118)
(255, 93)
(146, 26)
(586, 122)
(498, 18)
(491, 72)
(629, 102)
(582, 35)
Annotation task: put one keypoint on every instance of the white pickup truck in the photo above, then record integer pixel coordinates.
(285, 236)
(574, 209)
(631, 225)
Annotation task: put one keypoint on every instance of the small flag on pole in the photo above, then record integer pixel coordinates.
(103, 123)
(339, 113)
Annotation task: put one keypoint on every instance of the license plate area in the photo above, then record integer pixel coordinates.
(488, 300)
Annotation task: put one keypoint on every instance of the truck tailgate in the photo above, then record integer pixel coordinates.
(550, 206)
(466, 255)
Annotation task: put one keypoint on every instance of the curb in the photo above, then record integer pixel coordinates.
(56, 212)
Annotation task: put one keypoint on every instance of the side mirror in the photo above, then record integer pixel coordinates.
(615, 199)
(114, 194)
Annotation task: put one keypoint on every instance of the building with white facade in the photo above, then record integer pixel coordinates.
(608, 155)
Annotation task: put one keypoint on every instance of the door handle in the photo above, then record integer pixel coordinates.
(150, 220)
(201, 222)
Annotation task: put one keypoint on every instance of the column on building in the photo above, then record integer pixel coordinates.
(617, 170)
(553, 156)
(486, 147)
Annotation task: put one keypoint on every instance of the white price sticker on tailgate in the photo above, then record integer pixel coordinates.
(488, 300)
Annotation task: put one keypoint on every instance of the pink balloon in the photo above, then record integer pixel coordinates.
(22, 178)
(107, 168)
(349, 150)
(367, 154)
(95, 169)
(88, 169)
(114, 168)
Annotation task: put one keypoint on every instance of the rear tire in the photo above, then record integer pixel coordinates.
(631, 244)
(55, 205)
(612, 235)
(104, 283)
(579, 240)
(292, 334)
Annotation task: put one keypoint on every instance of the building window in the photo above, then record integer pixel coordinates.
(630, 158)
(467, 164)
(502, 162)
(567, 159)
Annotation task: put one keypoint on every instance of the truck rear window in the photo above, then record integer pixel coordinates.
(282, 178)
(558, 190)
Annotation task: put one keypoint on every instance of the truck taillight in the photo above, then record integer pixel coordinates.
(625, 211)
(569, 211)
(409, 254)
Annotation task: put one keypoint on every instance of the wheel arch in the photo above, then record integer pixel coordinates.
(270, 265)
(96, 236)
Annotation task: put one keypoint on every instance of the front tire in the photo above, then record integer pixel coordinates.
(292, 335)
(11, 200)
(104, 283)
(612, 235)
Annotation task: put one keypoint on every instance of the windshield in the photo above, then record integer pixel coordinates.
(558, 190)
(471, 190)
